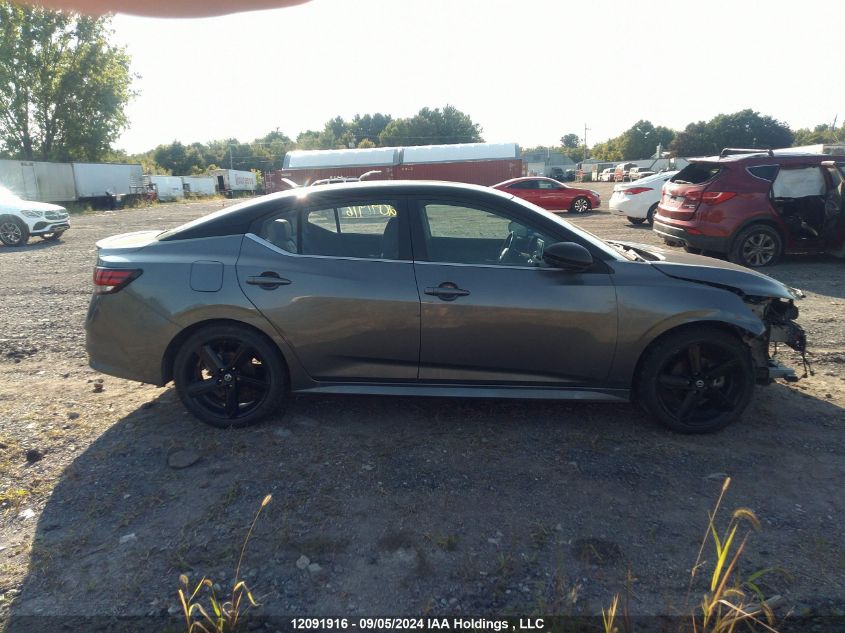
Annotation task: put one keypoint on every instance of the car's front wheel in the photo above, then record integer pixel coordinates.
(229, 375)
(758, 245)
(13, 232)
(580, 205)
(696, 380)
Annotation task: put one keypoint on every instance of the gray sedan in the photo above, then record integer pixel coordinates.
(429, 289)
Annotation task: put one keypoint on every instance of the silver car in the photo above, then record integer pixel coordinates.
(429, 289)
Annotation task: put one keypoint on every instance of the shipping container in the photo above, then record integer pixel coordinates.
(476, 163)
(275, 181)
(41, 181)
(168, 188)
(99, 180)
(230, 181)
(198, 185)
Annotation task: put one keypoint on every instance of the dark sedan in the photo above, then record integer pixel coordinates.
(435, 289)
(551, 194)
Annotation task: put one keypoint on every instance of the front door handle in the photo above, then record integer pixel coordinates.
(268, 280)
(447, 291)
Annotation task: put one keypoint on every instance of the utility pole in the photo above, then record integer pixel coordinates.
(230, 156)
(586, 129)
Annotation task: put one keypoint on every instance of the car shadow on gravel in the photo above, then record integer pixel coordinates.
(405, 505)
(40, 245)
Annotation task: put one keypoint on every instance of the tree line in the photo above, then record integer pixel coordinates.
(745, 128)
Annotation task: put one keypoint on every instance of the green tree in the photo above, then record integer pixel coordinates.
(432, 127)
(63, 86)
(746, 128)
(823, 133)
(570, 141)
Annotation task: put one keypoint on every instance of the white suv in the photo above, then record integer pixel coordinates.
(21, 218)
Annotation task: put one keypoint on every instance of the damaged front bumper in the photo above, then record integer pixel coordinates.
(778, 315)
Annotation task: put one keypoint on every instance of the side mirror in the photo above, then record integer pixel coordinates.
(567, 256)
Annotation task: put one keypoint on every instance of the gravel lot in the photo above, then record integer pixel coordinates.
(407, 506)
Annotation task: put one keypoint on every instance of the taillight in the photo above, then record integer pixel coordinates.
(635, 190)
(716, 197)
(107, 280)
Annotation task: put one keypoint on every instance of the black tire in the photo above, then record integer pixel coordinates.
(650, 215)
(13, 232)
(696, 380)
(580, 205)
(636, 221)
(757, 246)
(230, 376)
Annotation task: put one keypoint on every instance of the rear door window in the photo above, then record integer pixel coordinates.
(799, 183)
(697, 173)
(366, 231)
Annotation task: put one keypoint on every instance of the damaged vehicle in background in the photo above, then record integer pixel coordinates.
(755, 205)
(429, 289)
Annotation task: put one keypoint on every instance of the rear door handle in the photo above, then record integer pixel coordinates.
(447, 291)
(268, 280)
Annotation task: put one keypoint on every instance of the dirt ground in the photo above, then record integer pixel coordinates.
(401, 506)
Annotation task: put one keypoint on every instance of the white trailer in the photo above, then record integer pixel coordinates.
(198, 185)
(168, 188)
(233, 181)
(99, 180)
(41, 181)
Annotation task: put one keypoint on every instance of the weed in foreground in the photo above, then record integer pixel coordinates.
(206, 613)
(730, 603)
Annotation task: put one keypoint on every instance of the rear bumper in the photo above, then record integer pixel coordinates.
(125, 338)
(677, 236)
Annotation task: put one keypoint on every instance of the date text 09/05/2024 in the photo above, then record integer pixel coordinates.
(418, 624)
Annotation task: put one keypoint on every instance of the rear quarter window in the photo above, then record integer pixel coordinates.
(697, 173)
(764, 172)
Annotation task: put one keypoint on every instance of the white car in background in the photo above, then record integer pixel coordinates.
(638, 200)
(21, 218)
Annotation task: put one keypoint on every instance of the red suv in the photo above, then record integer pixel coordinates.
(755, 205)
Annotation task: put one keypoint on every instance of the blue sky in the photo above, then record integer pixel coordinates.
(527, 71)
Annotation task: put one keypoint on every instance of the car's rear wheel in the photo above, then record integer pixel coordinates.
(636, 220)
(696, 380)
(758, 245)
(580, 205)
(13, 232)
(229, 376)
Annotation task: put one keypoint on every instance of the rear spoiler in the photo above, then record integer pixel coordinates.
(730, 151)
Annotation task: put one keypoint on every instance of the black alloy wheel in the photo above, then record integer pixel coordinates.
(697, 381)
(229, 376)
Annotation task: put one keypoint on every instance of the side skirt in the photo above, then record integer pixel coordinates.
(471, 391)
